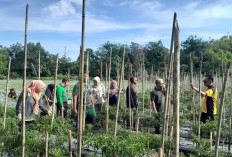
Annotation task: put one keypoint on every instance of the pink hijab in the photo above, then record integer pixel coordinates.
(35, 88)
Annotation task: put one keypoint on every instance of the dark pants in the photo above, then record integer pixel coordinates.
(133, 122)
(59, 109)
(206, 116)
(90, 120)
(157, 124)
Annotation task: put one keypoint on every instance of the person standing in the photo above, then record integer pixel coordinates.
(98, 92)
(90, 108)
(209, 104)
(33, 101)
(62, 98)
(157, 97)
(131, 97)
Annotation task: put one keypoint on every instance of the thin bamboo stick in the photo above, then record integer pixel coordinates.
(86, 83)
(107, 104)
(54, 93)
(176, 87)
(81, 83)
(119, 93)
(137, 127)
(191, 92)
(6, 97)
(70, 142)
(229, 142)
(199, 109)
(101, 69)
(39, 67)
(46, 145)
(129, 94)
(24, 83)
(221, 109)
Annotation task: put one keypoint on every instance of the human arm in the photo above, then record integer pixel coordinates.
(197, 90)
(154, 107)
(19, 107)
(75, 98)
(91, 99)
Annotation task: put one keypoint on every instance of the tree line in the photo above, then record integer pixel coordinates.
(154, 55)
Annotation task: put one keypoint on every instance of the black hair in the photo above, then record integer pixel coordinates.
(132, 78)
(65, 80)
(210, 77)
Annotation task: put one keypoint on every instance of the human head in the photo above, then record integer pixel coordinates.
(113, 84)
(96, 81)
(133, 80)
(12, 90)
(159, 83)
(36, 86)
(65, 82)
(208, 80)
(86, 77)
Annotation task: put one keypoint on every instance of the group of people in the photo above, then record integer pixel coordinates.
(94, 96)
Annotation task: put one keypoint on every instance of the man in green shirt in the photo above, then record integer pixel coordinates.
(88, 99)
(158, 100)
(62, 98)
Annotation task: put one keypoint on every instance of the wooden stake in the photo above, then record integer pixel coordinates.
(211, 140)
(46, 145)
(81, 84)
(107, 104)
(39, 67)
(32, 65)
(168, 83)
(54, 93)
(176, 88)
(221, 110)
(69, 80)
(24, 83)
(199, 109)
(161, 152)
(70, 142)
(6, 96)
(119, 94)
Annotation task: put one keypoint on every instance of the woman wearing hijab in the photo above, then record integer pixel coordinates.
(113, 94)
(33, 101)
(98, 92)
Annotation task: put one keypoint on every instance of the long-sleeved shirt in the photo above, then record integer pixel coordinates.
(61, 95)
(133, 97)
(30, 102)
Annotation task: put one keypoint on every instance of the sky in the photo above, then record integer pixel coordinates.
(56, 24)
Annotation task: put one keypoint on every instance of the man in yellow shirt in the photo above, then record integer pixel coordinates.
(209, 108)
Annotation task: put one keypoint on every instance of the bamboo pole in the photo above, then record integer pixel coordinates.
(229, 142)
(70, 142)
(211, 140)
(107, 104)
(221, 109)
(69, 80)
(143, 94)
(39, 67)
(54, 93)
(6, 97)
(24, 83)
(46, 145)
(191, 91)
(81, 83)
(86, 83)
(119, 94)
(176, 87)
(168, 83)
(199, 109)
(129, 94)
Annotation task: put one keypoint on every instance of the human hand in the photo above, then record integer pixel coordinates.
(75, 112)
(192, 85)
(19, 117)
(49, 113)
